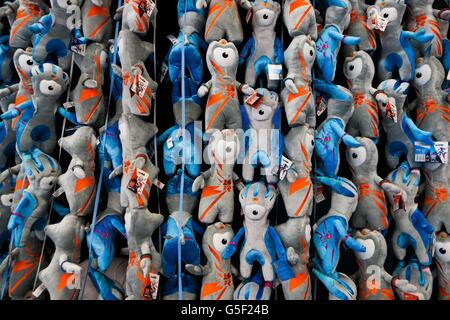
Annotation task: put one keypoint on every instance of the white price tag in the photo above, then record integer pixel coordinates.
(275, 71)
(322, 107)
(68, 105)
(79, 49)
(172, 39)
(318, 193)
(170, 143)
(377, 22)
(286, 164)
(159, 184)
(58, 192)
(139, 85)
(39, 290)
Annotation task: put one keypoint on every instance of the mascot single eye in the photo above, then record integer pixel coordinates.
(225, 57)
(309, 143)
(7, 199)
(221, 240)
(309, 52)
(370, 249)
(422, 75)
(104, 59)
(50, 87)
(356, 156)
(353, 68)
(26, 63)
(265, 17)
(443, 251)
(389, 13)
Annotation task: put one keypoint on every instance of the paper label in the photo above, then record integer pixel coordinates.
(139, 85)
(391, 111)
(159, 184)
(254, 100)
(322, 107)
(425, 153)
(318, 193)
(138, 181)
(172, 39)
(79, 48)
(68, 105)
(39, 290)
(249, 15)
(285, 165)
(146, 7)
(275, 71)
(377, 22)
(164, 69)
(151, 290)
(58, 192)
(170, 143)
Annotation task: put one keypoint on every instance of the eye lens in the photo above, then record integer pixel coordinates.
(265, 17)
(311, 53)
(352, 67)
(255, 213)
(418, 75)
(261, 112)
(224, 241)
(225, 55)
(386, 15)
(354, 156)
(30, 62)
(442, 251)
(50, 88)
(228, 149)
(312, 143)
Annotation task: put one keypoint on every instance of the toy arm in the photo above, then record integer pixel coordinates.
(204, 89)
(199, 182)
(44, 23)
(231, 248)
(9, 8)
(346, 138)
(245, 51)
(281, 252)
(237, 181)
(163, 137)
(67, 266)
(197, 270)
(9, 90)
(200, 4)
(244, 88)
(416, 133)
(16, 111)
(418, 36)
(348, 240)
(443, 14)
(348, 40)
(245, 4)
(68, 116)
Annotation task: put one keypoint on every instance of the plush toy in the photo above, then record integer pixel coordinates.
(171, 289)
(88, 98)
(55, 34)
(180, 229)
(421, 15)
(442, 259)
(62, 276)
(144, 259)
(7, 134)
(134, 135)
(330, 38)
(295, 234)
(359, 71)
(217, 199)
(217, 281)
(297, 187)
(374, 283)
(263, 48)
(223, 19)
(97, 22)
(358, 28)
(397, 53)
(6, 62)
(330, 133)
(222, 108)
(192, 102)
(37, 116)
(298, 98)
(418, 276)
(330, 230)
(264, 146)
(371, 212)
(133, 52)
(24, 13)
(42, 172)
(299, 18)
(253, 289)
(411, 228)
(190, 19)
(262, 243)
(136, 16)
(7, 186)
(78, 182)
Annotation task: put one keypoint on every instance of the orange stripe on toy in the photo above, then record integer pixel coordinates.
(303, 202)
(300, 109)
(303, 17)
(299, 279)
(83, 184)
(210, 288)
(211, 205)
(216, 113)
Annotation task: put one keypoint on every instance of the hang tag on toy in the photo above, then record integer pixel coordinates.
(322, 107)
(150, 7)
(68, 105)
(391, 112)
(275, 71)
(139, 85)
(138, 181)
(163, 72)
(285, 165)
(318, 193)
(58, 192)
(151, 290)
(170, 143)
(159, 184)
(39, 290)
(249, 15)
(172, 39)
(421, 152)
(441, 154)
(79, 49)
(425, 153)
(378, 23)
(254, 100)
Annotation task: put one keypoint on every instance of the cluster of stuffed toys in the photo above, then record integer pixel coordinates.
(79, 81)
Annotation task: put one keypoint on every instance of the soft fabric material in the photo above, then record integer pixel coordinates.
(170, 290)
(7, 186)
(262, 243)
(298, 99)
(135, 17)
(88, 96)
(7, 134)
(371, 212)
(263, 47)
(223, 19)
(222, 108)
(442, 259)
(193, 103)
(295, 234)
(253, 289)
(332, 229)
(264, 142)
(418, 276)
(217, 199)
(374, 282)
(191, 19)
(397, 53)
(62, 277)
(97, 22)
(359, 71)
(140, 225)
(42, 172)
(299, 18)
(411, 228)
(79, 182)
(6, 62)
(297, 187)
(217, 274)
(54, 35)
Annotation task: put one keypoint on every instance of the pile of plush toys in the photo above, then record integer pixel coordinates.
(80, 170)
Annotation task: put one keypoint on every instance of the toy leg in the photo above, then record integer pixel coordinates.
(250, 75)
(267, 271)
(398, 245)
(245, 268)
(226, 215)
(213, 33)
(234, 31)
(248, 172)
(207, 214)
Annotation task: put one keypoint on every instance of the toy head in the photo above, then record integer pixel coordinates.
(344, 196)
(64, 4)
(94, 62)
(364, 159)
(49, 81)
(68, 234)
(407, 179)
(392, 10)
(305, 50)
(394, 89)
(257, 200)
(222, 58)
(81, 142)
(376, 248)
(24, 63)
(299, 144)
(41, 170)
(215, 239)
(338, 16)
(442, 252)
(429, 76)
(224, 147)
(265, 13)
(265, 111)
(359, 69)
